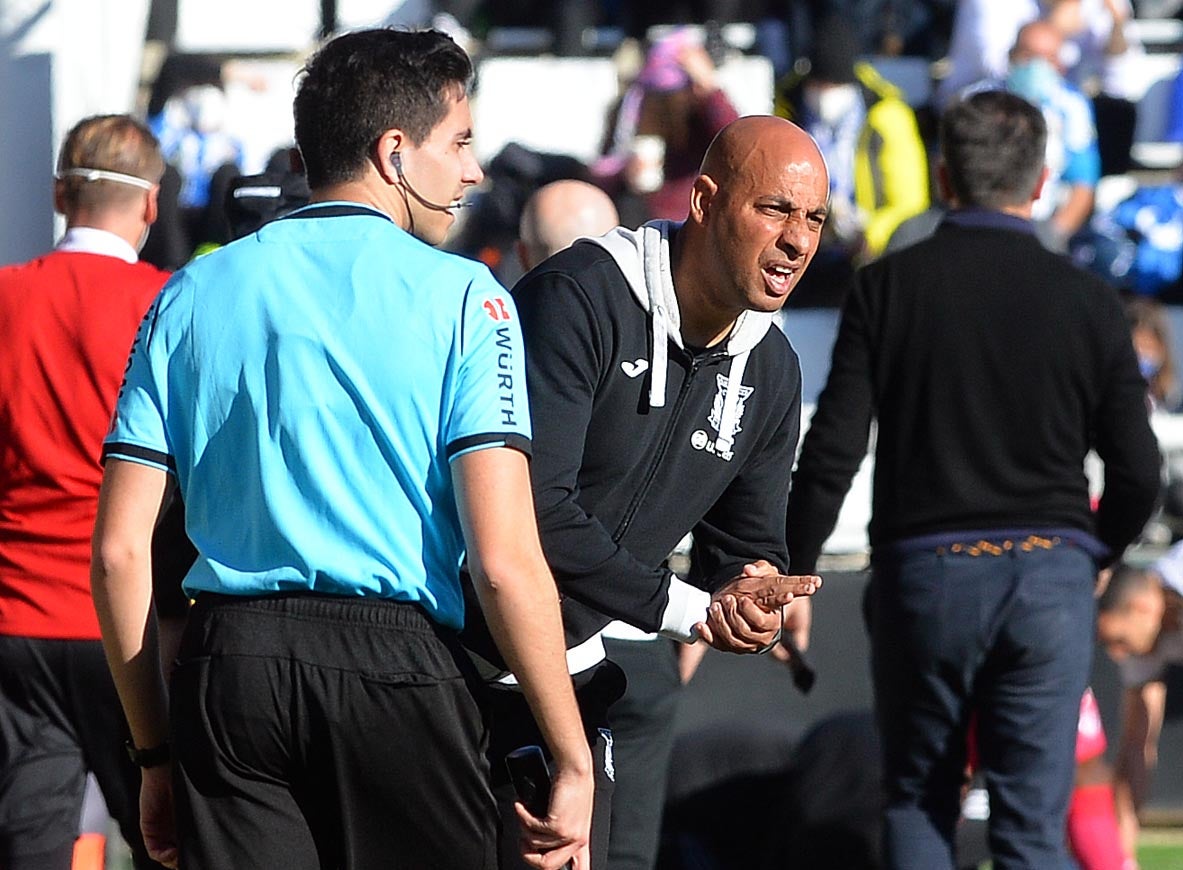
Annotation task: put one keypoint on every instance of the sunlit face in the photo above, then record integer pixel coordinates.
(766, 226)
(1129, 631)
(439, 169)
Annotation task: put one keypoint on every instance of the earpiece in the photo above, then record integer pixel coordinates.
(396, 161)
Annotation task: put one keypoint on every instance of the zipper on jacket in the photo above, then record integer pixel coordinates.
(696, 362)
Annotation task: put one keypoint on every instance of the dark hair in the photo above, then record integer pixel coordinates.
(1122, 586)
(993, 145)
(364, 83)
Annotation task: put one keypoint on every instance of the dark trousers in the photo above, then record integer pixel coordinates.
(59, 718)
(316, 732)
(1010, 636)
(643, 738)
(511, 725)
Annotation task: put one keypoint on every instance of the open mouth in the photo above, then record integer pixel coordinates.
(778, 277)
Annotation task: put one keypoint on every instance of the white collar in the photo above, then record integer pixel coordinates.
(90, 240)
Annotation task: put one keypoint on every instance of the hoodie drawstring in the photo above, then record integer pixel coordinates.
(644, 259)
(660, 282)
(660, 367)
(730, 415)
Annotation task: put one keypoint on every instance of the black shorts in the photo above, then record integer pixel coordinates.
(511, 725)
(59, 718)
(315, 731)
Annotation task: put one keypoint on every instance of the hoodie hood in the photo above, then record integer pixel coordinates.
(643, 255)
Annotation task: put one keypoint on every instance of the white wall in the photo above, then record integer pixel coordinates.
(60, 60)
(560, 104)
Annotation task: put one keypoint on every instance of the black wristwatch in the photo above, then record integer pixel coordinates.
(764, 650)
(153, 756)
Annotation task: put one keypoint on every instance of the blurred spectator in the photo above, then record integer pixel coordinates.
(872, 145)
(1140, 624)
(663, 125)
(489, 229)
(1093, 834)
(1092, 828)
(1097, 54)
(1101, 58)
(1073, 160)
(983, 33)
(1152, 218)
(1099, 51)
(1150, 330)
(193, 136)
(187, 112)
(1104, 248)
(559, 213)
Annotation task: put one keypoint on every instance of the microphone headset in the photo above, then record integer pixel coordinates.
(396, 160)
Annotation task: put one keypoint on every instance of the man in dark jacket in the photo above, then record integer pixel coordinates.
(992, 367)
(665, 402)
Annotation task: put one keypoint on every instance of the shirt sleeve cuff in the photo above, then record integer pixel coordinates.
(686, 606)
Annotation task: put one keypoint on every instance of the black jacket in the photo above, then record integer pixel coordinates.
(623, 469)
(992, 367)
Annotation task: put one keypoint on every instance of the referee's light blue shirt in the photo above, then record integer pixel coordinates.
(309, 385)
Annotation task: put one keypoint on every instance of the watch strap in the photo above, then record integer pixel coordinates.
(152, 756)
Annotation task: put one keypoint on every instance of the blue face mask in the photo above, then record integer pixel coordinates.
(1148, 366)
(1035, 80)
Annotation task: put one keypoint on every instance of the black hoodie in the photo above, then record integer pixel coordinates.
(636, 441)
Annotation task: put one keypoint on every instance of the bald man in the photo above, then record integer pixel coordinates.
(1073, 157)
(557, 214)
(664, 402)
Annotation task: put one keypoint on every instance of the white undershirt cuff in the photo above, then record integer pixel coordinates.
(687, 605)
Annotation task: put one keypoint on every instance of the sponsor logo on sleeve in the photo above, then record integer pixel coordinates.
(496, 309)
(505, 385)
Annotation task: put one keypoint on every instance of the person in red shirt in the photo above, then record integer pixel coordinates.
(68, 320)
(1094, 840)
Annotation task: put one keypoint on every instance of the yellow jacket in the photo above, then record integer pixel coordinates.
(891, 181)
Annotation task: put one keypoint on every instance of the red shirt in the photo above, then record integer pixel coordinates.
(67, 321)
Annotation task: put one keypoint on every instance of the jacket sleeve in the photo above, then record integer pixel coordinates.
(836, 441)
(566, 355)
(1125, 442)
(746, 523)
